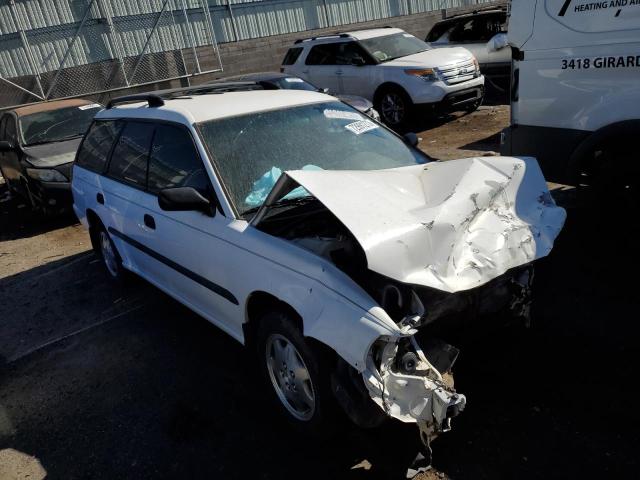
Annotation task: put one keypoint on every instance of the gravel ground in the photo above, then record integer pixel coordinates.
(104, 382)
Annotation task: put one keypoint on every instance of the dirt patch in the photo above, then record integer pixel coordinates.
(465, 135)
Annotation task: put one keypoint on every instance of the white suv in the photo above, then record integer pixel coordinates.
(397, 71)
(303, 228)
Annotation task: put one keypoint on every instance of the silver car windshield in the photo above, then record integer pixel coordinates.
(390, 47)
(251, 151)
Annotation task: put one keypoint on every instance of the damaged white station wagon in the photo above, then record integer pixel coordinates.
(300, 226)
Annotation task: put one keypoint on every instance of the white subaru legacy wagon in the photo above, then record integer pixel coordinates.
(318, 237)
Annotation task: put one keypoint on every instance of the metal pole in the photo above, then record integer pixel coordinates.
(178, 39)
(26, 46)
(146, 43)
(115, 50)
(192, 35)
(66, 54)
(21, 88)
(212, 32)
(233, 22)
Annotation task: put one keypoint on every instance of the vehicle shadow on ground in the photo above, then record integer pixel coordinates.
(18, 220)
(487, 144)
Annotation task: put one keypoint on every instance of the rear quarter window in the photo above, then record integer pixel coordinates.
(95, 148)
(292, 56)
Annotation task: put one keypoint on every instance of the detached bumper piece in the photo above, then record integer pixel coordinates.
(408, 387)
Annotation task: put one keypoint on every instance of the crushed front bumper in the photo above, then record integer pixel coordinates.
(406, 386)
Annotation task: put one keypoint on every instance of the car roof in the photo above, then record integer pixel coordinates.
(190, 109)
(52, 105)
(466, 16)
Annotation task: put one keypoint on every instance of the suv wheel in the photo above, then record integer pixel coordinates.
(394, 106)
(292, 371)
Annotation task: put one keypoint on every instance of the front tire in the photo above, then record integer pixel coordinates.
(293, 372)
(394, 106)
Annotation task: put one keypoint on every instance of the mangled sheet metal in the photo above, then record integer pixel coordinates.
(450, 225)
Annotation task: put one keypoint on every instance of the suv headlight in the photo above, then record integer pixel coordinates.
(46, 175)
(426, 74)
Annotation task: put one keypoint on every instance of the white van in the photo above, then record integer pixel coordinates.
(575, 100)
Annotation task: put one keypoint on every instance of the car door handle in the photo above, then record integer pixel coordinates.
(305, 71)
(100, 198)
(149, 221)
(338, 72)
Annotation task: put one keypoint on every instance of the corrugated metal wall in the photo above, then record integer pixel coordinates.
(49, 24)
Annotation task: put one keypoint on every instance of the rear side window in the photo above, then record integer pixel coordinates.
(175, 161)
(292, 56)
(131, 154)
(343, 53)
(97, 144)
(323, 54)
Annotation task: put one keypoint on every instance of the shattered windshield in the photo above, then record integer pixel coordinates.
(390, 47)
(251, 151)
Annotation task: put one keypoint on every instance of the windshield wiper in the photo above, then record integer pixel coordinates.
(62, 139)
(285, 202)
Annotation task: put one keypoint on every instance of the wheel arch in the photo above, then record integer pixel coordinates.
(588, 145)
(94, 222)
(383, 87)
(259, 302)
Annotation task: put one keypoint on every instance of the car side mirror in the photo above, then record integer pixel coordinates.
(323, 90)
(184, 199)
(6, 146)
(358, 61)
(411, 139)
(497, 42)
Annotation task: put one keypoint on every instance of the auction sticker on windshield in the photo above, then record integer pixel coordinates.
(361, 126)
(341, 114)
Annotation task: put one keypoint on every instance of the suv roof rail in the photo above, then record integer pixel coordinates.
(152, 99)
(156, 99)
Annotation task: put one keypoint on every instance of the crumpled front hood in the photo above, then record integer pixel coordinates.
(451, 225)
(433, 58)
(52, 154)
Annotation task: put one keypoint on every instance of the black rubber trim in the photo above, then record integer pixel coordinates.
(214, 287)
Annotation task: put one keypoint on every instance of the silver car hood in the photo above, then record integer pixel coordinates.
(447, 225)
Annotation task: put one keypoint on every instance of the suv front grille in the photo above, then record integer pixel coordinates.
(459, 72)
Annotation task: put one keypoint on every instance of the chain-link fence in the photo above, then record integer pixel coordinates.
(63, 48)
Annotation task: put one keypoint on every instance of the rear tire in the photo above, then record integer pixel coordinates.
(294, 373)
(107, 251)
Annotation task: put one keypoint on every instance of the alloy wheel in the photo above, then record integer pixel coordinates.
(290, 377)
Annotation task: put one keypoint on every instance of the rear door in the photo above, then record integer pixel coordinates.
(124, 194)
(320, 67)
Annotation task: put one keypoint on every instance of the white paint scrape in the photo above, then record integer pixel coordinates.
(448, 225)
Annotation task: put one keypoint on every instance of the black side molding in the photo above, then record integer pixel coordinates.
(214, 287)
